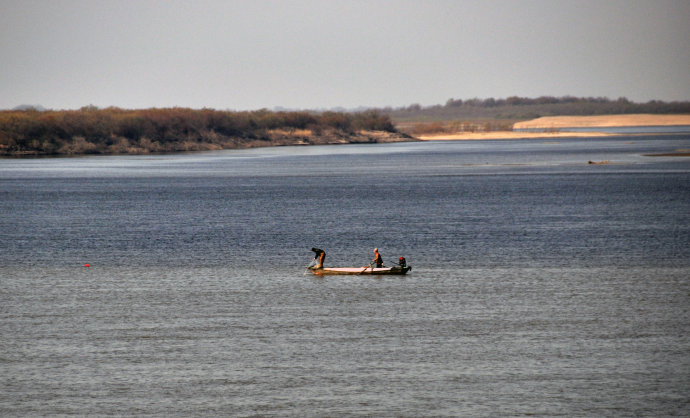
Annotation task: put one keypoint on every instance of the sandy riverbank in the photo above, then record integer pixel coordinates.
(563, 122)
(607, 121)
(479, 136)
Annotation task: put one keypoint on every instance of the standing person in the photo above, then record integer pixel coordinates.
(377, 258)
(321, 255)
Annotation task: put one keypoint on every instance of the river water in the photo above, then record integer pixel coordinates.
(541, 284)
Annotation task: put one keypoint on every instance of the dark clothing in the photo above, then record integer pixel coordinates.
(319, 255)
(378, 260)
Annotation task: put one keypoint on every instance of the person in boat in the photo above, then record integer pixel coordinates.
(377, 258)
(319, 257)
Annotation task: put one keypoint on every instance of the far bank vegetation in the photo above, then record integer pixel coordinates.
(91, 130)
(488, 115)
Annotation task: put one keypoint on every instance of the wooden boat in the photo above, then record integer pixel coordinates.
(360, 270)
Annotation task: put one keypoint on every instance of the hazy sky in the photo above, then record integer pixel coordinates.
(321, 54)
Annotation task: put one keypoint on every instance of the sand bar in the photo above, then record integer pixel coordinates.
(482, 136)
(563, 122)
(559, 122)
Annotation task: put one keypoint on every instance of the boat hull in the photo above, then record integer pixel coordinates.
(361, 270)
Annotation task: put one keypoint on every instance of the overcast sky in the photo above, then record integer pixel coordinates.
(322, 54)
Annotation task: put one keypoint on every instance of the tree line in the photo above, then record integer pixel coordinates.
(523, 108)
(91, 130)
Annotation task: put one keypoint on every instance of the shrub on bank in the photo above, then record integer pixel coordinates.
(115, 130)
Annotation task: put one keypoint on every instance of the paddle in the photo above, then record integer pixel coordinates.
(365, 268)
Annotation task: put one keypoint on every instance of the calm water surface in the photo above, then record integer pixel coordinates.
(541, 284)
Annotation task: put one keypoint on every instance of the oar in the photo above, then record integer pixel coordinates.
(308, 267)
(365, 268)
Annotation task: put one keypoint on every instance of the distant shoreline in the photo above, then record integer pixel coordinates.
(125, 132)
(560, 124)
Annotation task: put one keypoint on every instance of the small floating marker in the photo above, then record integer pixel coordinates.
(87, 265)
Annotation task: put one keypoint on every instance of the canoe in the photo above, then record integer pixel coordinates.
(360, 270)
